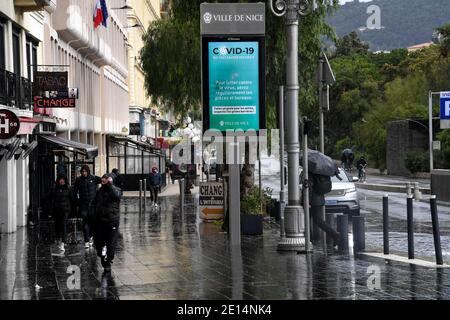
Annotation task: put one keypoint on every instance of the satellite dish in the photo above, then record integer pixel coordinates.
(28, 148)
(12, 149)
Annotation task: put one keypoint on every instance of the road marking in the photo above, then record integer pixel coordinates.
(394, 257)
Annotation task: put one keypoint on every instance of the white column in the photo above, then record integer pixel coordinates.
(8, 201)
(21, 189)
(23, 54)
(9, 59)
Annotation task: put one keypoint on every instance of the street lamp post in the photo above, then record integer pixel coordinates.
(292, 10)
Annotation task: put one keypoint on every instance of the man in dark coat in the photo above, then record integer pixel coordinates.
(316, 203)
(85, 190)
(107, 219)
(154, 181)
(60, 204)
(117, 178)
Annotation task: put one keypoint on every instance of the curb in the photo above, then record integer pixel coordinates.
(389, 188)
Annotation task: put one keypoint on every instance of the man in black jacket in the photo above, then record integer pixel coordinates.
(107, 219)
(60, 198)
(85, 189)
(117, 178)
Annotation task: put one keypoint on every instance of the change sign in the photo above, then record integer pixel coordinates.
(211, 200)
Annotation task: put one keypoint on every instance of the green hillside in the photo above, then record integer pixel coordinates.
(404, 22)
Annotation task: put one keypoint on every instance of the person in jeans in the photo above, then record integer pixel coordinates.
(85, 190)
(154, 181)
(107, 220)
(60, 198)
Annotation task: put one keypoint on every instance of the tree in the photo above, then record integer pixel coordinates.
(171, 62)
(173, 80)
(444, 31)
(351, 44)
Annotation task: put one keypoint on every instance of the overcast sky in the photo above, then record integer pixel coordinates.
(344, 1)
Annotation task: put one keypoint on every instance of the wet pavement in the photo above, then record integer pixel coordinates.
(162, 255)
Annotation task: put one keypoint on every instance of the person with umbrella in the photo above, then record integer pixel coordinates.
(320, 169)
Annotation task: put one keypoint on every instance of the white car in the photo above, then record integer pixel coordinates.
(343, 197)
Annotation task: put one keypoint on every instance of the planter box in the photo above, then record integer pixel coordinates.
(251, 225)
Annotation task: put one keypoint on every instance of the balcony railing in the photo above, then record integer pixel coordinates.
(15, 91)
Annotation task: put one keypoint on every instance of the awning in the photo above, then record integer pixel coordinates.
(86, 149)
(27, 125)
(136, 144)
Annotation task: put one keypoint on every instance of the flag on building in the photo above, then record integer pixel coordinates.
(100, 14)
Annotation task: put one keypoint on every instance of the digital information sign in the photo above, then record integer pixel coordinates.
(233, 85)
(234, 93)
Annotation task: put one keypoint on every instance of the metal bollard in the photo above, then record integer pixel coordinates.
(410, 222)
(140, 196)
(359, 233)
(417, 193)
(330, 219)
(436, 231)
(408, 189)
(342, 228)
(145, 195)
(182, 191)
(386, 224)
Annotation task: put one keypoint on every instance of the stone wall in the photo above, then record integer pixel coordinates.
(440, 184)
(403, 137)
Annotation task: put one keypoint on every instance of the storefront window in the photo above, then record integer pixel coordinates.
(16, 51)
(2, 45)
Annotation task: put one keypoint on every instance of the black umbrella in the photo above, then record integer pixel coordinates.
(347, 152)
(318, 163)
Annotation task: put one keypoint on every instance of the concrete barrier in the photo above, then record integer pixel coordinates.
(440, 184)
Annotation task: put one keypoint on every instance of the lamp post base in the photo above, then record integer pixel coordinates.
(292, 244)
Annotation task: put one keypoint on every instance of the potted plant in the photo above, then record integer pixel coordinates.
(253, 207)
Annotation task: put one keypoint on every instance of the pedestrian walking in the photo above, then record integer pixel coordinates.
(107, 220)
(60, 204)
(85, 190)
(117, 178)
(319, 186)
(154, 181)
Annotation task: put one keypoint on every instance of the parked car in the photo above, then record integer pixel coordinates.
(343, 197)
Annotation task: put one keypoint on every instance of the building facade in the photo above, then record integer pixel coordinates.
(140, 15)
(21, 35)
(58, 35)
(97, 61)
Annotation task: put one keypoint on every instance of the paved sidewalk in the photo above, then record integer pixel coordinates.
(162, 255)
(170, 190)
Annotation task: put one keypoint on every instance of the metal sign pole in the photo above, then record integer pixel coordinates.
(234, 198)
(430, 115)
(306, 187)
(282, 182)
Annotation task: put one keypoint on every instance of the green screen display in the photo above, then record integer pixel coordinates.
(234, 85)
